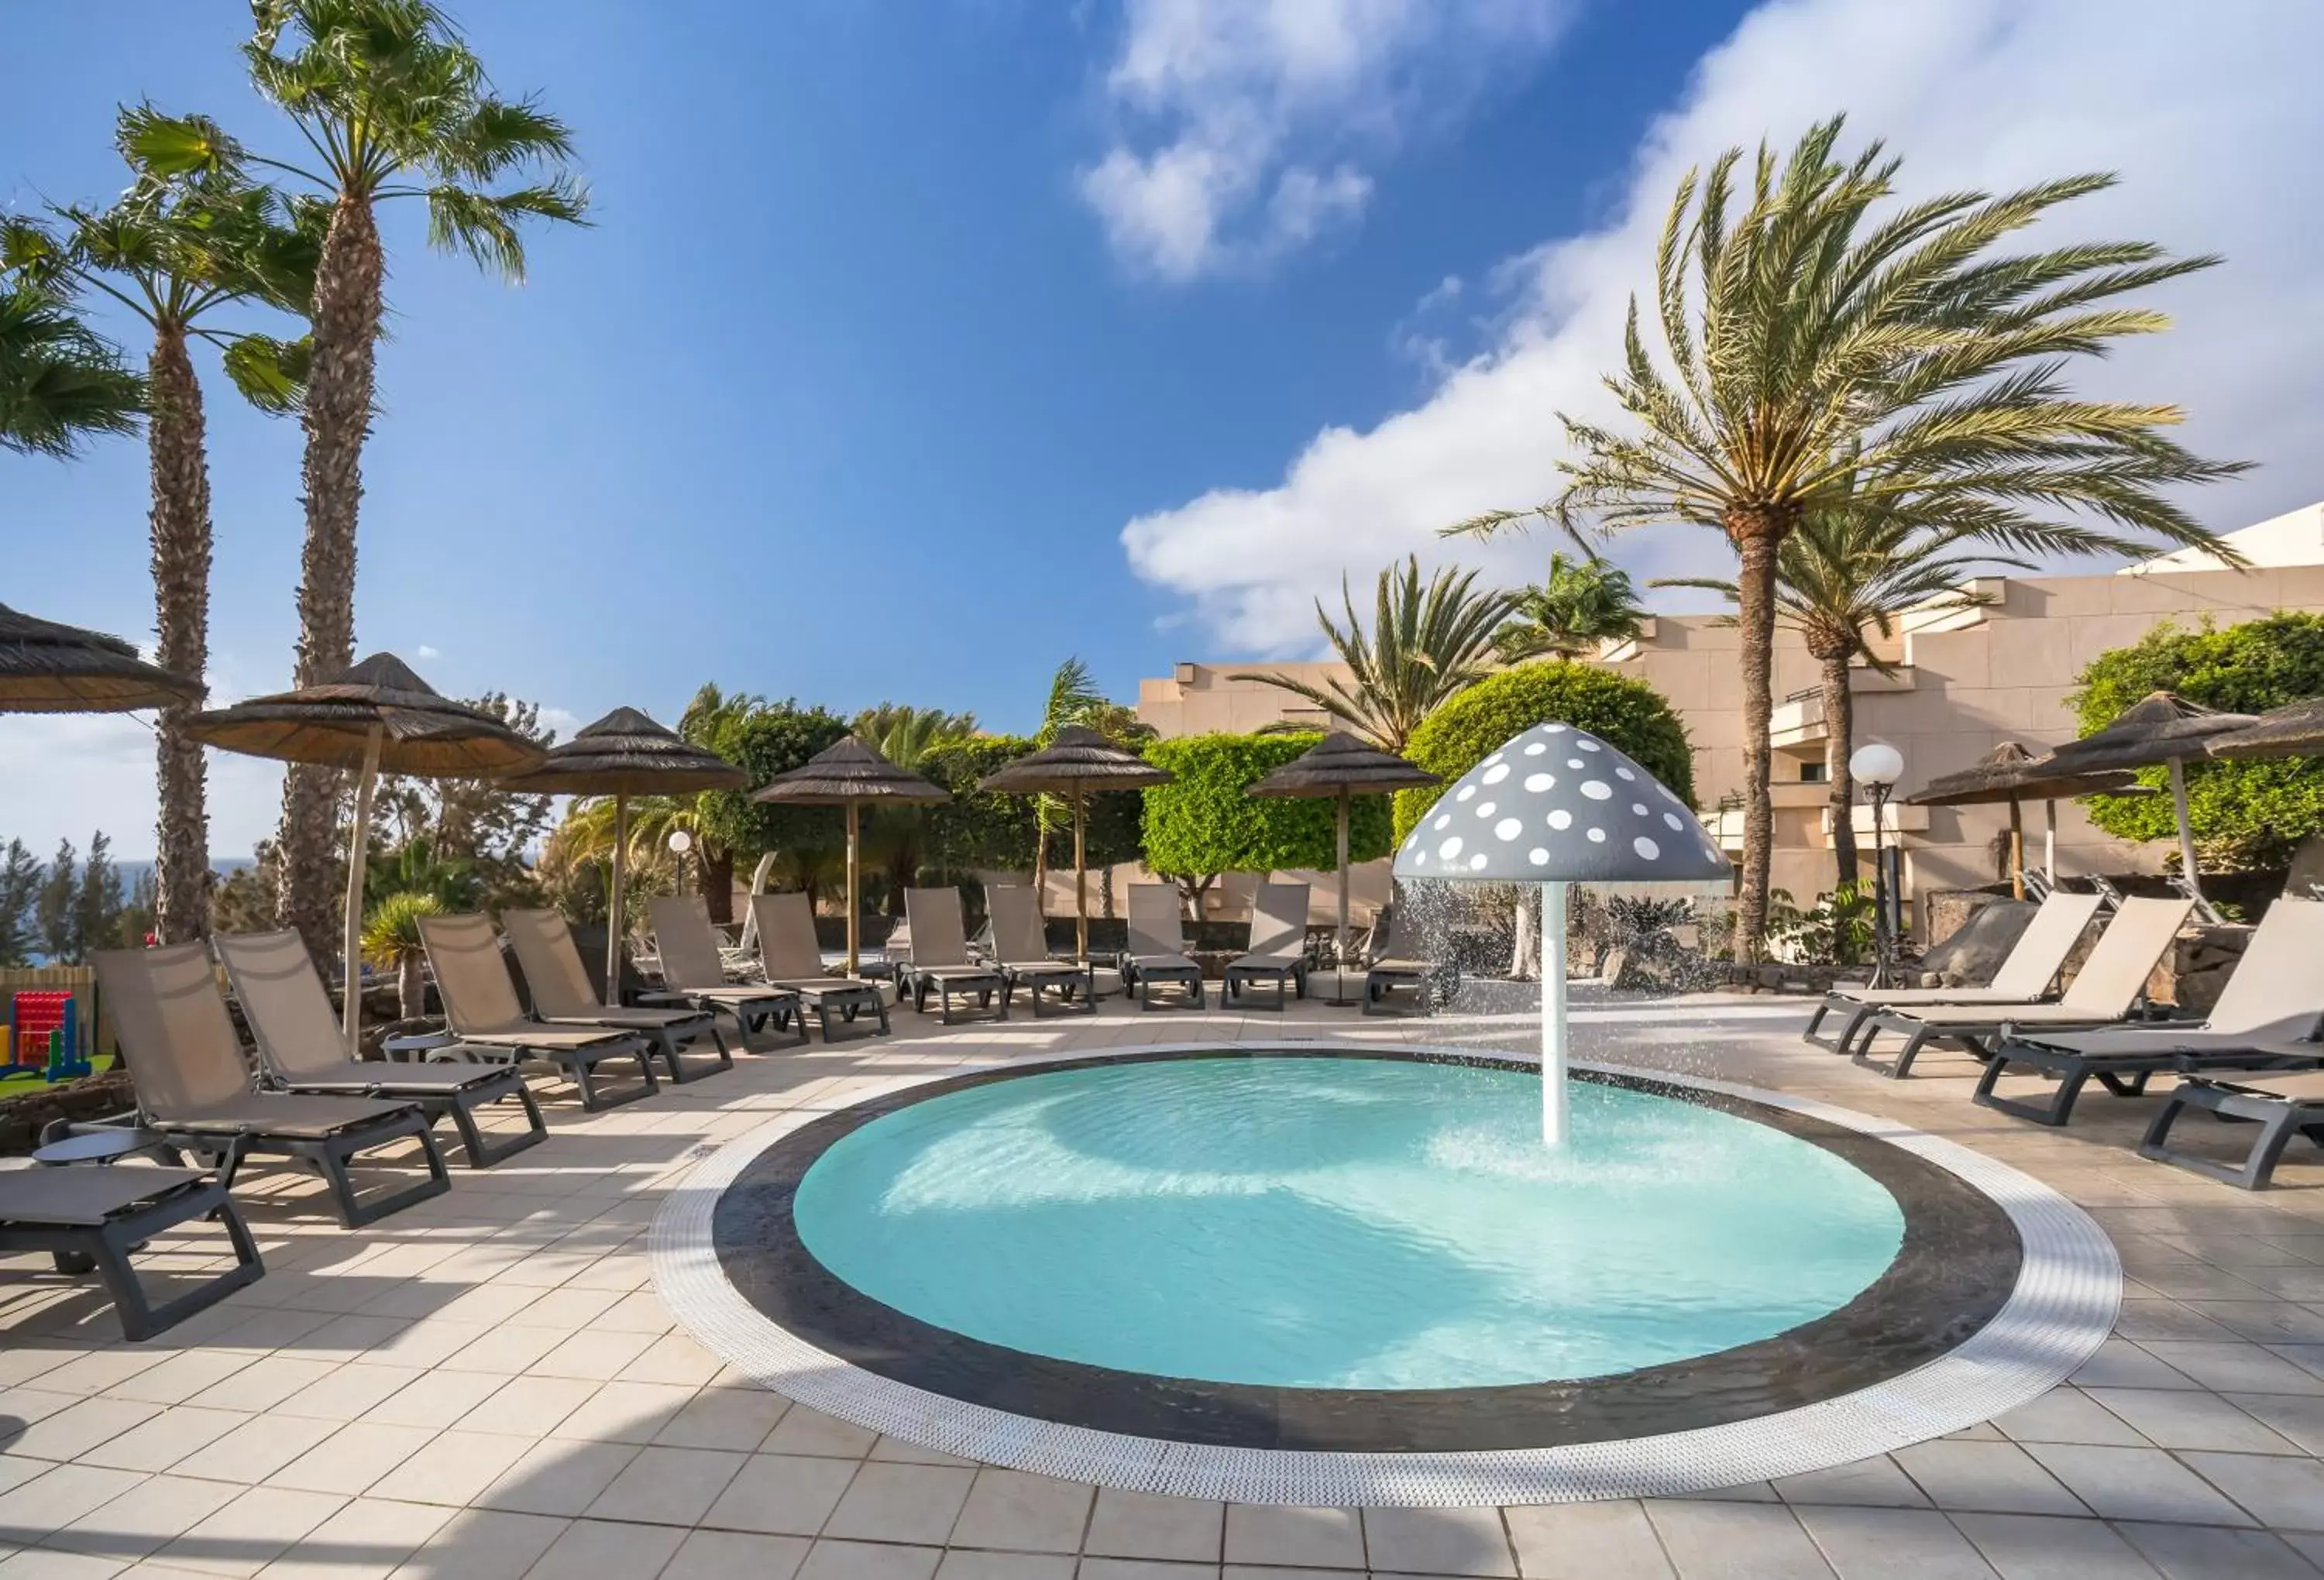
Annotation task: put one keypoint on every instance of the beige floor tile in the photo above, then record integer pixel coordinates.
(81, 1426)
(40, 1563)
(90, 1371)
(1736, 1541)
(569, 1308)
(1989, 1477)
(506, 1350)
(782, 1495)
(435, 1399)
(723, 1555)
(349, 1393)
(2071, 1415)
(625, 1413)
(1144, 1525)
(263, 1384)
(1587, 1541)
(668, 1486)
(674, 1357)
(146, 1518)
(596, 1355)
(1280, 1534)
(31, 1509)
(177, 1433)
(810, 1432)
(369, 1537)
(896, 1451)
(1438, 1541)
(2173, 1417)
(529, 1407)
(901, 1502)
(1886, 1544)
(557, 1477)
(180, 1377)
(2282, 1491)
(483, 1544)
(2026, 1547)
(1028, 1513)
(2298, 1419)
(352, 1457)
(636, 1311)
(454, 1469)
(258, 1526)
(2196, 1552)
(726, 1416)
(858, 1560)
(21, 1363)
(353, 1337)
(2120, 1364)
(1155, 1569)
(1866, 1482)
(2136, 1484)
(598, 1550)
(1271, 1572)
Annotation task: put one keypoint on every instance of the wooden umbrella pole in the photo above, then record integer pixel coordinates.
(1339, 944)
(1081, 882)
(2016, 852)
(851, 889)
(616, 916)
(2050, 841)
(2186, 830)
(358, 857)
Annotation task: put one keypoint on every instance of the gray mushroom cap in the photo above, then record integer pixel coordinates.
(1557, 805)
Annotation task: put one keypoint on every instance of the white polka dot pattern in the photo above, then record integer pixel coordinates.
(1606, 821)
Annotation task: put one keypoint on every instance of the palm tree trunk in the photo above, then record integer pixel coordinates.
(1756, 537)
(410, 987)
(182, 618)
(717, 869)
(1839, 741)
(337, 419)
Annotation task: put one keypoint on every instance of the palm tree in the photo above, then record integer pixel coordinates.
(705, 723)
(177, 251)
(1834, 352)
(1584, 604)
(1425, 645)
(394, 104)
(1847, 571)
(905, 736)
(60, 382)
(392, 942)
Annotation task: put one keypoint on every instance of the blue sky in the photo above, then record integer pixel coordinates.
(895, 316)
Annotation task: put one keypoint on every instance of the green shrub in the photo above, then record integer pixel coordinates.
(2245, 816)
(1628, 714)
(1207, 821)
(994, 832)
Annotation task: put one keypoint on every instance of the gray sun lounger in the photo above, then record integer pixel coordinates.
(793, 962)
(1278, 949)
(1390, 978)
(301, 1049)
(482, 1010)
(1157, 947)
(2280, 1105)
(2026, 976)
(939, 960)
(1023, 955)
(562, 996)
(89, 1218)
(194, 1091)
(2102, 994)
(2271, 1003)
(693, 972)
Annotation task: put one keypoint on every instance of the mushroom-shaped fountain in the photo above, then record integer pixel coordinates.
(1554, 807)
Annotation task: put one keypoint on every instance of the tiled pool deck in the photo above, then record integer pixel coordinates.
(486, 1385)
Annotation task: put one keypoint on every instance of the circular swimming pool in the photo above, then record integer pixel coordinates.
(1348, 1274)
(1341, 1222)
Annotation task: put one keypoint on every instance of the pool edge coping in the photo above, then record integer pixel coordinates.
(2062, 1307)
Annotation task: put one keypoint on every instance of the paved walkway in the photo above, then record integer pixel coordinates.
(487, 1386)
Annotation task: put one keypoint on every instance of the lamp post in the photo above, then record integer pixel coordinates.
(1877, 766)
(679, 844)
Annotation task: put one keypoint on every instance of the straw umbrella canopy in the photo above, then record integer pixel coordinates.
(2164, 728)
(374, 718)
(2294, 730)
(2014, 774)
(46, 668)
(1344, 767)
(625, 754)
(848, 774)
(1077, 761)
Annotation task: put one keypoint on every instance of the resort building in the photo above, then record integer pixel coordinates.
(1960, 683)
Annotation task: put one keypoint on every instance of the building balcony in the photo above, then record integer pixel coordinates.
(1797, 722)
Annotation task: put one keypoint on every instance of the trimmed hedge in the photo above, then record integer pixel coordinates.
(996, 833)
(1207, 821)
(2246, 816)
(1628, 714)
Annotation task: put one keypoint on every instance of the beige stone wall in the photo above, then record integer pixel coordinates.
(1964, 685)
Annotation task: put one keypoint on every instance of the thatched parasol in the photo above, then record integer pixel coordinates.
(1076, 762)
(377, 716)
(625, 754)
(1344, 767)
(46, 668)
(848, 774)
(2011, 773)
(2294, 730)
(2162, 728)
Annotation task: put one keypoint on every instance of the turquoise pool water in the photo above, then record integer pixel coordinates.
(1341, 1223)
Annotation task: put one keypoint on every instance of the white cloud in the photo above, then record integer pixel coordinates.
(424, 652)
(2206, 112)
(1241, 121)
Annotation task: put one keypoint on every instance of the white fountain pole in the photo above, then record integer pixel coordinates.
(1552, 1015)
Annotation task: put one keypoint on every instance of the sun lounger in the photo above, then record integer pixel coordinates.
(562, 995)
(1022, 954)
(1278, 947)
(194, 1091)
(939, 959)
(694, 970)
(2272, 1000)
(481, 1007)
(2024, 976)
(793, 962)
(1157, 945)
(2282, 1105)
(2101, 995)
(92, 1219)
(1395, 985)
(300, 1049)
